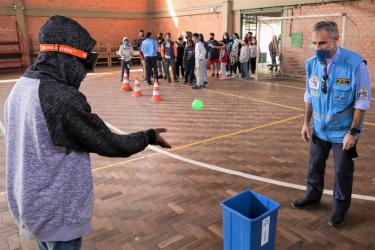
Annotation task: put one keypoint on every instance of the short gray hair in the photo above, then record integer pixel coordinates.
(329, 26)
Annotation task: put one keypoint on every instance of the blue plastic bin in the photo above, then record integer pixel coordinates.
(249, 221)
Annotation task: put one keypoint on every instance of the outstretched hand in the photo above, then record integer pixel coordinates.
(159, 140)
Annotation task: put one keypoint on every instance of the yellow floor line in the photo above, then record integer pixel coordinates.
(267, 102)
(281, 85)
(254, 99)
(198, 142)
(237, 133)
(123, 162)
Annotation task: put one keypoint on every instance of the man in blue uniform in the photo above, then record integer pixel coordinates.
(337, 95)
(149, 49)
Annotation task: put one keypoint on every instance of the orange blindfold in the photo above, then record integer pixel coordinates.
(89, 59)
(63, 49)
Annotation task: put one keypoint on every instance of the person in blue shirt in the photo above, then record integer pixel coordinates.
(149, 49)
(338, 92)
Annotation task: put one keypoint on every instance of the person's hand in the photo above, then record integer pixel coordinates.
(159, 140)
(349, 142)
(305, 133)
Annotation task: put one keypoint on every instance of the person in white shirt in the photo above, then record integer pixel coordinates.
(200, 57)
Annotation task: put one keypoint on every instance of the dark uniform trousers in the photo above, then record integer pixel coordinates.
(344, 169)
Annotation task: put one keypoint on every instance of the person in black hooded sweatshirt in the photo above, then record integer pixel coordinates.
(50, 131)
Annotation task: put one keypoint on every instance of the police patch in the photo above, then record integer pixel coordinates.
(362, 93)
(343, 81)
(314, 82)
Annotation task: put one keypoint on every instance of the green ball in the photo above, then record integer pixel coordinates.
(197, 104)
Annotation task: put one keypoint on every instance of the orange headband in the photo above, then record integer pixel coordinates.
(63, 49)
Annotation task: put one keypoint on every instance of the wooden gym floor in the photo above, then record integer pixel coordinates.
(171, 200)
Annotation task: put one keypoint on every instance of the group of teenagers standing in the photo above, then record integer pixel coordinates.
(189, 56)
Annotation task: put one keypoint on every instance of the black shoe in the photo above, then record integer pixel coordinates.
(160, 76)
(205, 83)
(176, 80)
(149, 83)
(169, 80)
(303, 203)
(196, 87)
(335, 220)
(165, 77)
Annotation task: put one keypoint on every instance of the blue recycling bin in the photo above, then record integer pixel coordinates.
(249, 221)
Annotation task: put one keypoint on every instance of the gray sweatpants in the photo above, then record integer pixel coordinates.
(205, 61)
(202, 64)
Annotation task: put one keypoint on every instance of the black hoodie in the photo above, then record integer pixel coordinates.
(66, 110)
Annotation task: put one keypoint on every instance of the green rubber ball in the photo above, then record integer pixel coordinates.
(197, 104)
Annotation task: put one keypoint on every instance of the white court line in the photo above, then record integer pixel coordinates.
(111, 73)
(237, 173)
(8, 80)
(103, 74)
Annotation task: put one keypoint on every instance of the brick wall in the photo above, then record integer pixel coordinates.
(236, 21)
(162, 5)
(204, 23)
(360, 35)
(136, 5)
(101, 29)
(8, 31)
(158, 5)
(361, 15)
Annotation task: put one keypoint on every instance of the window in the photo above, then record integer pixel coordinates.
(248, 23)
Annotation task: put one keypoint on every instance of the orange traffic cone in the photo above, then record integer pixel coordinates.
(125, 83)
(137, 88)
(156, 92)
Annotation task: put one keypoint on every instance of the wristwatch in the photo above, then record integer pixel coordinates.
(354, 131)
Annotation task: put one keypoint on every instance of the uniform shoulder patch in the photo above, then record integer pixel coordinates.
(362, 93)
(314, 82)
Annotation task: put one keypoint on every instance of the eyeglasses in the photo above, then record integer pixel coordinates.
(324, 80)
